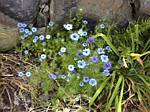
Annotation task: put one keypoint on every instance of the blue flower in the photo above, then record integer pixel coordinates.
(107, 65)
(41, 37)
(106, 72)
(21, 30)
(51, 23)
(86, 79)
(19, 25)
(79, 54)
(26, 31)
(63, 49)
(43, 56)
(52, 76)
(26, 52)
(30, 33)
(91, 40)
(102, 26)
(68, 26)
(63, 76)
(74, 37)
(81, 84)
(71, 67)
(74, 71)
(108, 48)
(28, 74)
(100, 51)
(85, 22)
(34, 29)
(81, 64)
(95, 59)
(93, 82)
(20, 74)
(24, 36)
(84, 44)
(82, 33)
(104, 58)
(86, 52)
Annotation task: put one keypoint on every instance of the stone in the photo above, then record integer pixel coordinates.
(144, 9)
(8, 37)
(116, 10)
(20, 10)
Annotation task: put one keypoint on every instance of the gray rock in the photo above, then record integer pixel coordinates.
(20, 10)
(116, 10)
(144, 9)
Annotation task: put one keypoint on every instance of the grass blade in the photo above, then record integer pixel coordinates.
(119, 109)
(115, 91)
(108, 42)
(99, 91)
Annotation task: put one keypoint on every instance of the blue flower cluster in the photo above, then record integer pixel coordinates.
(22, 74)
(86, 79)
(55, 76)
(26, 30)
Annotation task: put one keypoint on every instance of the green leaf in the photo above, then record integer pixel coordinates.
(97, 93)
(115, 92)
(108, 42)
(121, 96)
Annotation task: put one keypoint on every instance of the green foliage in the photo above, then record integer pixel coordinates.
(129, 57)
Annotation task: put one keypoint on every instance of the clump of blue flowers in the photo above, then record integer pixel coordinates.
(71, 54)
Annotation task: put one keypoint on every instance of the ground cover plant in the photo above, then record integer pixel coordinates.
(101, 69)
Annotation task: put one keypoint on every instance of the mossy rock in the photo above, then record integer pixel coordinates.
(8, 38)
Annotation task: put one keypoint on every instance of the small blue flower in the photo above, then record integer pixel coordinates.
(24, 36)
(52, 76)
(91, 40)
(71, 67)
(85, 22)
(82, 33)
(21, 30)
(107, 65)
(86, 79)
(24, 25)
(74, 37)
(81, 84)
(79, 54)
(19, 25)
(74, 71)
(63, 76)
(20, 74)
(34, 40)
(30, 33)
(86, 52)
(51, 23)
(93, 82)
(81, 64)
(106, 72)
(41, 37)
(95, 59)
(63, 49)
(26, 31)
(43, 56)
(28, 74)
(102, 26)
(26, 52)
(108, 48)
(100, 51)
(84, 44)
(68, 26)
(104, 58)
(34, 29)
